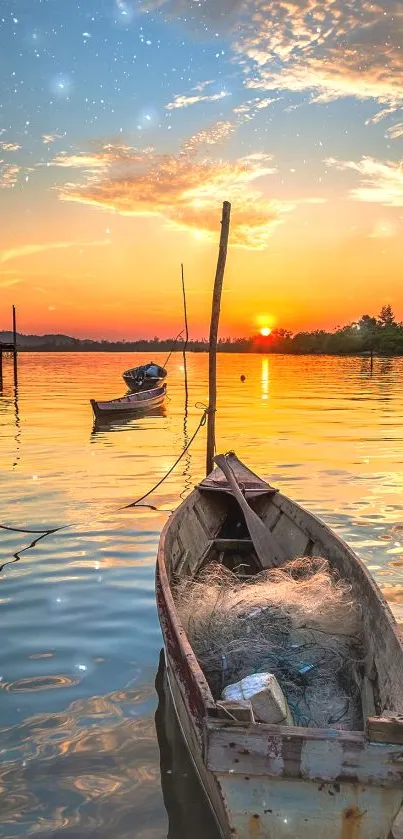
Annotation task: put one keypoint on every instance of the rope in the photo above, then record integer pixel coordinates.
(183, 452)
(49, 531)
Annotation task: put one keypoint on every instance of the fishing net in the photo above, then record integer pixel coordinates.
(299, 622)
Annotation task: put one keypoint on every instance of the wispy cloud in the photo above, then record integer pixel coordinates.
(9, 146)
(329, 48)
(185, 101)
(47, 139)
(217, 133)
(8, 282)
(30, 250)
(9, 173)
(326, 48)
(381, 181)
(184, 189)
(395, 131)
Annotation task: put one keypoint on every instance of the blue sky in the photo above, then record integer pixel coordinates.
(157, 110)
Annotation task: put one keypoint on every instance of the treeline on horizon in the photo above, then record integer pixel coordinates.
(382, 335)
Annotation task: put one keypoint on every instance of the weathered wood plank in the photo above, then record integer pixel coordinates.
(314, 755)
(367, 699)
(244, 545)
(291, 537)
(241, 711)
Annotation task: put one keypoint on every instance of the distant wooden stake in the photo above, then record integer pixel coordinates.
(215, 316)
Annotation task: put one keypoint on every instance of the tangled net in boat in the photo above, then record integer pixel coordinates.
(299, 622)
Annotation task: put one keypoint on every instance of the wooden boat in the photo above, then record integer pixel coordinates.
(274, 781)
(141, 401)
(144, 377)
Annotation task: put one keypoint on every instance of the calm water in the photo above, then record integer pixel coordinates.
(80, 638)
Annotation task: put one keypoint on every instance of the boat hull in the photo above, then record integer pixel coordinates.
(134, 387)
(144, 377)
(256, 806)
(278, 782)
(141, 402)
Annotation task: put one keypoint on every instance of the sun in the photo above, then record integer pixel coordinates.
(265, 331)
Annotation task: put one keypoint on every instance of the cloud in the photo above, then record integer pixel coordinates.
(10, 147)
(9, 282)
(110, 153)
(326, 48)
(249, 109)
(51, 138)
(381, 181)
(30, 250)
(185, 189)
(185, 101)
(330, 48)
(395, 131)
(8, 175)
(217, 133)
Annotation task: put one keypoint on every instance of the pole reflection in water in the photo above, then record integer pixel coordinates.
(188, 811)
(265, 378)
(17, 421)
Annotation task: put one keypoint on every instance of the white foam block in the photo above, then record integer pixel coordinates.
(265, 695)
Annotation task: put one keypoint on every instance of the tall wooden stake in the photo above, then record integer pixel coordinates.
(215, 316)
(186, 337)
(15, 348)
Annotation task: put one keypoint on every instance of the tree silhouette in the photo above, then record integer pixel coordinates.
(386, 316)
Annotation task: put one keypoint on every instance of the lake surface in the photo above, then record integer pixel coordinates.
(80, 640)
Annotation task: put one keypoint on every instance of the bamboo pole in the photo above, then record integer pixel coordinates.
(215, 316)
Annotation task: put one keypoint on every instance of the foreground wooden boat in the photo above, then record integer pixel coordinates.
(142, 401)
(273, 781)
(144, 377)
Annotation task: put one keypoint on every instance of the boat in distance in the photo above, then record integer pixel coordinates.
(145, 376)
(281, 781)
(141, 402)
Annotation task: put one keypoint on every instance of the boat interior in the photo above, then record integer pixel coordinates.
(210, 527)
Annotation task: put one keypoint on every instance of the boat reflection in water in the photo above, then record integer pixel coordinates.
(123, 423)
(188, 811)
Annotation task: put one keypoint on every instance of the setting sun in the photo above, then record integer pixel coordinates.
(265, 331)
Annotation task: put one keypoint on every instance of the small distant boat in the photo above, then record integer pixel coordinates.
(140, 402)
(145, 376)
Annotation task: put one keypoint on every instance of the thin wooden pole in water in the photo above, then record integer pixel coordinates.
(215, 316)
(186, 337)
(15, 347)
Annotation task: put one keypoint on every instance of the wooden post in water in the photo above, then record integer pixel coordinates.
(215, 316)
(186, 337)
(15, 348)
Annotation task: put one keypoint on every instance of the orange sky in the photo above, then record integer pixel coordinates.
(317, 271)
